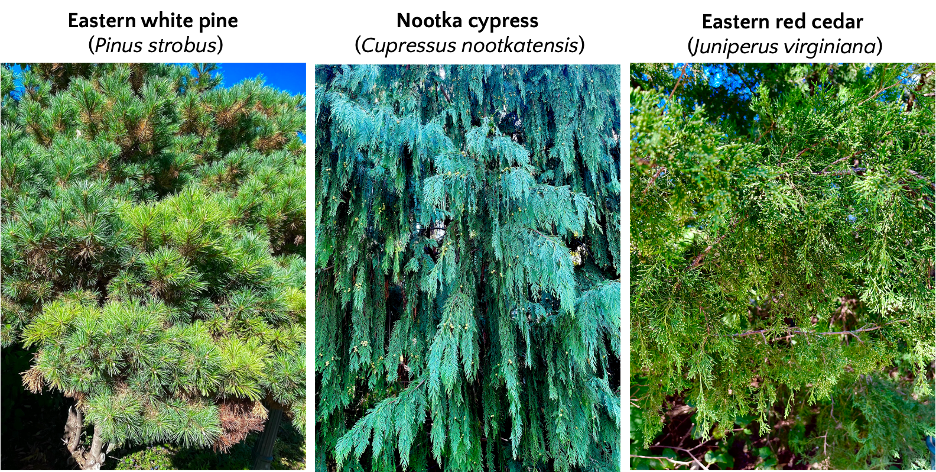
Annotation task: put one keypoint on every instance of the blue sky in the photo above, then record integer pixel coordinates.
(287, 76)
(290, 77)
(717, 75)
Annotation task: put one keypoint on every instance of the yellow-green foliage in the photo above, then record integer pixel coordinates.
(153, 243)
(782, 237)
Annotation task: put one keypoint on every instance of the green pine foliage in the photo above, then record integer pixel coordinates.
(782, 254)
(467, 267)
(153, 245)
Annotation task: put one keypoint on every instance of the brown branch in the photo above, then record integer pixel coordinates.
(853, 170)
(769, 129)
(681, 75)
(810, 147)
(653, 179)
(827, 333)
(687, 451)
(823, 171)
(877, 93)
(697, 261)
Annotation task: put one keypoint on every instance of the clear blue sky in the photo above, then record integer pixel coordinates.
(286, 76)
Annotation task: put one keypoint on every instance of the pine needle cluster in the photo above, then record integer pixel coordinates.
(153, 247)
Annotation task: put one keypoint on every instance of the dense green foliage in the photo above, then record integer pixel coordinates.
(782, 253)
(153, 247)
(467, 267)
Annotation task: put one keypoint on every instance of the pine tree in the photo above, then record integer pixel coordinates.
(782, 254)
(467, 267)
(153, 250)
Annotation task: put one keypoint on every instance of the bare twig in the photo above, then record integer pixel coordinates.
(810, 147)
(773, 125)
(653, 179)
(661, 458)
(678, 81)
(687, 451)
(698, 259)
(827, 333)
(823, 171)
(877, 93)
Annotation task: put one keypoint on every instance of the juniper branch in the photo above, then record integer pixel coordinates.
(826, 333)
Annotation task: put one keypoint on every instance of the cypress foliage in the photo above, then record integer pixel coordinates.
(467, 267)
(153, 251)
(782, 253)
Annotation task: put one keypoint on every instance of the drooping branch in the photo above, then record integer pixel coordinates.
(662, 458)
(695, 460)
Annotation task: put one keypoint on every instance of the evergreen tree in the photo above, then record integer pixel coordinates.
(153, 250)
(467, 267)
(782, 254)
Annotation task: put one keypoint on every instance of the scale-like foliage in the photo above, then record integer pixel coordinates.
(467, 267)
(782, 238)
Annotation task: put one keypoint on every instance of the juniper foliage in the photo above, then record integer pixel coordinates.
(782, 254)
(467, 267)
(153, 253)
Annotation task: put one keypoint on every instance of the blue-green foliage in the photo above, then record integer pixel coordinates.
(467, 267)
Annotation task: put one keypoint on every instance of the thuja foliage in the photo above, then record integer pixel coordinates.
(153, 249)
(467, 267)
(782, 250)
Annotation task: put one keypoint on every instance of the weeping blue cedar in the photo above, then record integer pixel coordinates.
(476, 210)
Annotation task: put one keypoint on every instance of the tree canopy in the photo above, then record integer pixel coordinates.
(467, 267)
(782, 257)
(153, 249)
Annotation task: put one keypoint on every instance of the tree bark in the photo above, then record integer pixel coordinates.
(91, 459)
(263, 448)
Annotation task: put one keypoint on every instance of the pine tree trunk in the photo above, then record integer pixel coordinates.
(91, 459)
(263, 448)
